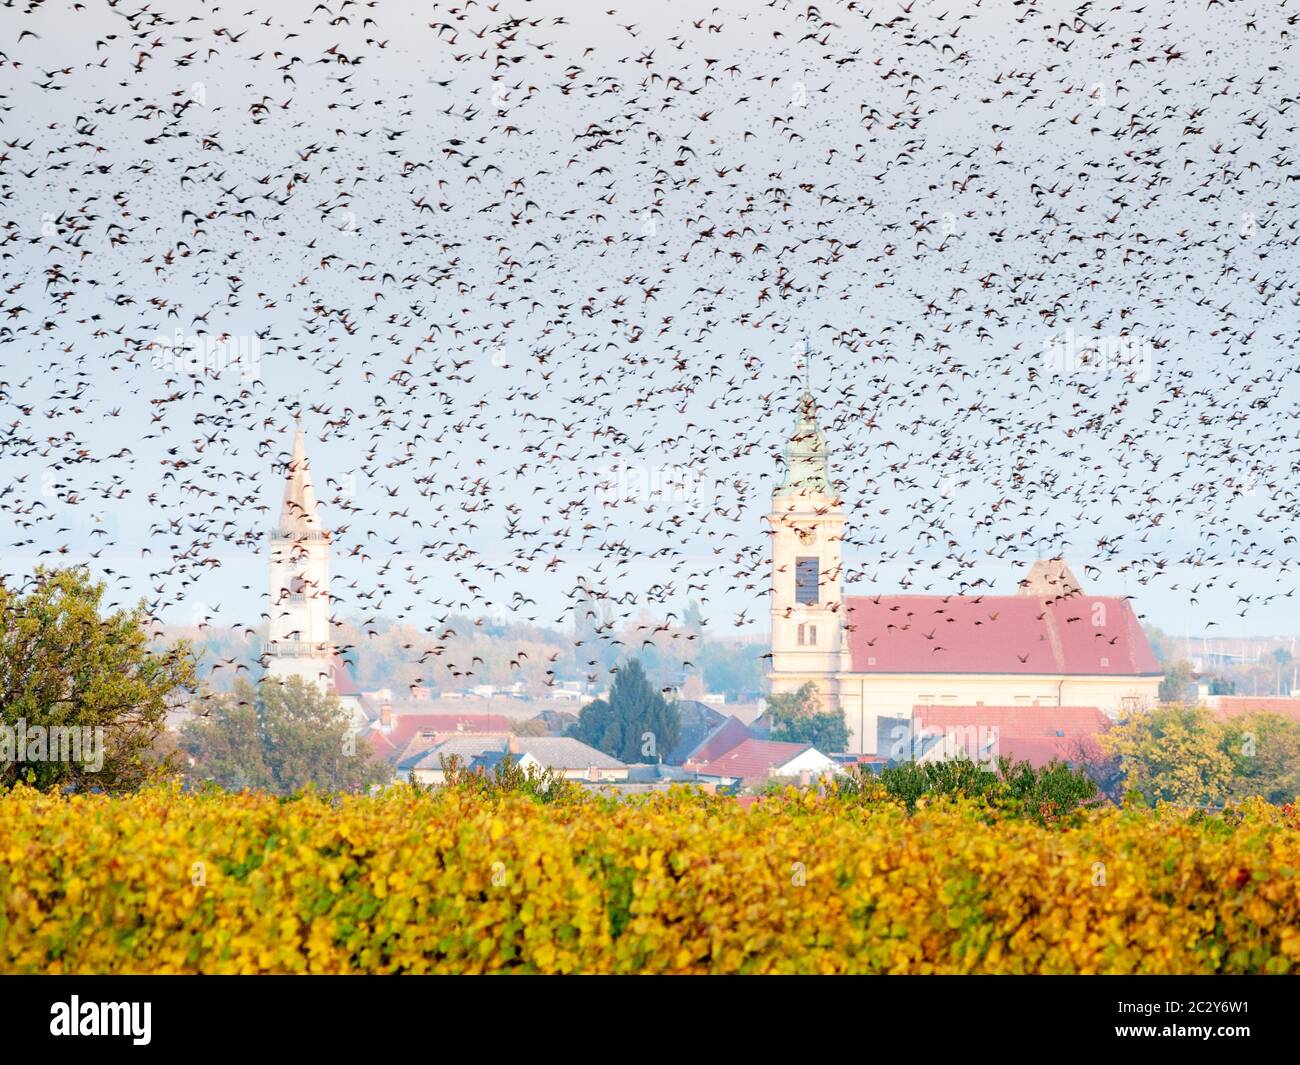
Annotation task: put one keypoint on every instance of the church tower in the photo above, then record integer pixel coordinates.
(807, 521)
(299, 642)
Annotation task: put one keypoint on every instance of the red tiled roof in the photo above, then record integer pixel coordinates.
(1229, 706)
(1035, 734)
(724, 738)
(1078, 635)
(407, 726)
(380, 745)
(415, 746)
(752, 759)
(340, 680)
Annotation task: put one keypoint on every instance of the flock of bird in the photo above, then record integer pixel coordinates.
(538, 281)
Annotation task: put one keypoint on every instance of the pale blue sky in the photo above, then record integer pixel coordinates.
(931, 209)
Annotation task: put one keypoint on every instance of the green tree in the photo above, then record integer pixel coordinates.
(1018, 788)
(636, 724)
(1178, 678)
(1265, 753)
(1174, 754)
(280, 738)
(796, 717)
(731, 667)
(65, 664)
(545, 785)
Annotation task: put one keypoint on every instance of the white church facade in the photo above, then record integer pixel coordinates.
(300, 640)
(879, 657)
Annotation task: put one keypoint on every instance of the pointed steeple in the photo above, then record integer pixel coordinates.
(299, 513)
(806, 467)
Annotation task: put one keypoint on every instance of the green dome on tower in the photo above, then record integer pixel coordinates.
(806, 468)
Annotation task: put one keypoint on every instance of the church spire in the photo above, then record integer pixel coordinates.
(299, 513)
(806, 467)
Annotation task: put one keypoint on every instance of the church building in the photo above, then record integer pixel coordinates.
(300, 640)
(879, 658)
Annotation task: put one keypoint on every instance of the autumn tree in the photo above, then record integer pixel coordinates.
(1265, 753)
(67, 664)
(1173, 754)
(282, 738)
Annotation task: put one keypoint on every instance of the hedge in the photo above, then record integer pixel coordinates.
(167, 881)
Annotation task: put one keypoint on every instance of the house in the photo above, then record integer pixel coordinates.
(1226, 707)
(984, 733)
(402, 727)
(649, 778)
(466, 745)
(754, 762)
(725, 737)
(697, 720)
(571, 758)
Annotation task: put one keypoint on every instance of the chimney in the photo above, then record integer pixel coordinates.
(512, 744)
(385, 715)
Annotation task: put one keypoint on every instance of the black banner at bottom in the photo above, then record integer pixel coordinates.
(152, 1014)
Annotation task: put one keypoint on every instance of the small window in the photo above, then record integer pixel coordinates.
(805, 581)
(871, 660)
(801, 635)
(812, 635)
(1105, 662)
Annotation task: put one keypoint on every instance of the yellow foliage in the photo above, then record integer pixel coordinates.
(168, 882)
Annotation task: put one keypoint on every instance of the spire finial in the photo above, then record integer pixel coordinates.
(807, 363)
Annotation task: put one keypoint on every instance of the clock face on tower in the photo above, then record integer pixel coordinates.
(807, 536)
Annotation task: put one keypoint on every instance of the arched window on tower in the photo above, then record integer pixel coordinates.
(297, 588)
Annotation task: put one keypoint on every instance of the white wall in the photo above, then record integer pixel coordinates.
(865, 697)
